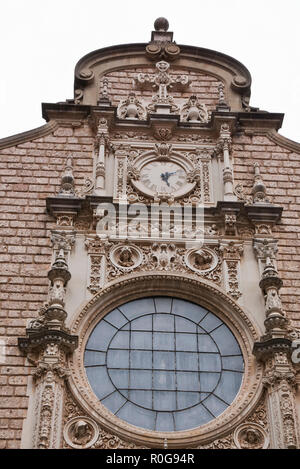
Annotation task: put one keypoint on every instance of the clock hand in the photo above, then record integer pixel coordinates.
(165, 176)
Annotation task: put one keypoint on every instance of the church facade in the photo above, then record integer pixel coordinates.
(150, 260)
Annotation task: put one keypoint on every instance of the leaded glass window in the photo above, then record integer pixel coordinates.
(164, 364)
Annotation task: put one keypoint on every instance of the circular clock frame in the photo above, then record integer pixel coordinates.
(163, 181)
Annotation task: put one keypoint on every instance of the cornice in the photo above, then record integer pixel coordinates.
(29, 135)
(189, 52)
(275, 137)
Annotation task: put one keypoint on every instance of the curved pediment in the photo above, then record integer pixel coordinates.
(112, 73)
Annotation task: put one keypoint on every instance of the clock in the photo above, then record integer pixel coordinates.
(163, 177)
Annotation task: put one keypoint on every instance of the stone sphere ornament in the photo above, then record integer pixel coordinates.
(161, 24)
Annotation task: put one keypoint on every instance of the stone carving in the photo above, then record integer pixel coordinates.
(221, 443)
(62, 240)
(241, 195)
(230, 224)
(103, 95)
(87, 188)
(201, 175)
(162, 81)
(163, 151)
(65, 220)
(194, 112)
(194, 138)
(263, 229)
(163, 255)
(132, 171)
(222, 104)
(250, 436)
(120, 173)
(223, 147)
(67, 180)
(101, 145)
(81, 432)
(265, 249)
(131, 108)
(78, 96)
(259, 191)
(126, 257)
(97, 250)
(205, 262)
(162, 133)
(231, 257)
(132, 135)
(161, 45)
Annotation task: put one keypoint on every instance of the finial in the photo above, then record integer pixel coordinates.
(161, 24)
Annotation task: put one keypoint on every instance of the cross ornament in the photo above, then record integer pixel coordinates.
(162, 81)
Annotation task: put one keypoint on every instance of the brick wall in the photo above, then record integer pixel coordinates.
(280, 170)
(29, 172)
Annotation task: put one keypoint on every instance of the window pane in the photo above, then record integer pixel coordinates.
(114, 402)
(137, 416)
(210, 322)
(229, 385)
(186, 342)
(140, 359)
(100, 381)
(164, 400)
(226, 341)
(94, 358)
(163, 304)
(120, 340)
(188, 310)
(233, 363)
(101, 336)
(215, 405)
(141, 340)
(163, 322)
(140, 379)
(142, 324)
(137, 308)
(187, 361)
(164, 380)
(164, 422)
(209, 362)
(164, 360)
(116, 318)
(191, 418)
(163, 341)
(118, 359)
(187, 381)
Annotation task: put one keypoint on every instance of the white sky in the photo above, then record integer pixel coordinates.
(42, 40)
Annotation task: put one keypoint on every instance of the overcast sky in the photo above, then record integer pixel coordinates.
(41, 41)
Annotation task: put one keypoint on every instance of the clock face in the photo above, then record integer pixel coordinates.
(163, 177)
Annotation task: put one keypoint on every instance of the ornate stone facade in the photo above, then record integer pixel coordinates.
(153, 189)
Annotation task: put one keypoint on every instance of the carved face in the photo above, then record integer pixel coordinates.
(163, 177)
